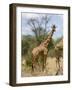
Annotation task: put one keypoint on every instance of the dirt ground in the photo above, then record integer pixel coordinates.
(52, 68)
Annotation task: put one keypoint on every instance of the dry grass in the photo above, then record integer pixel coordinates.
(51, 68)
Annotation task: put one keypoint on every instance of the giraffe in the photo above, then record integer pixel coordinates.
(42, 49)
(59, 53)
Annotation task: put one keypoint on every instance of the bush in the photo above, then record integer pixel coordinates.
(28, 58)
(25, 47)
(51, 53)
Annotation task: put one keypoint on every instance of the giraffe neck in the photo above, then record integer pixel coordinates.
(50, 35)
(47, 41)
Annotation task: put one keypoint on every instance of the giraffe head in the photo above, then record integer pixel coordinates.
(53, 28)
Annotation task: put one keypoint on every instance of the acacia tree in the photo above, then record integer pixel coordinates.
(39, 27)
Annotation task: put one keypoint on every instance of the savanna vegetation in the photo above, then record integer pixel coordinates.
(30, 41)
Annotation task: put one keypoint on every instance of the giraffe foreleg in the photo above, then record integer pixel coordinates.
(44, 61)
(34, 63)
(45, 57)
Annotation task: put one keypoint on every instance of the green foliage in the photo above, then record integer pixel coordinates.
(40, 39)
(28, 58)
(51, 53)
(51, 45)
(57, 40)
(29, 42)
(25, 47)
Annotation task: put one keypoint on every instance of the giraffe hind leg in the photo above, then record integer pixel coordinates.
(32, 67)
(33, 63)
(58, 62)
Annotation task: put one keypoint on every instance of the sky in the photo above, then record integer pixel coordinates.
(55, 19)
